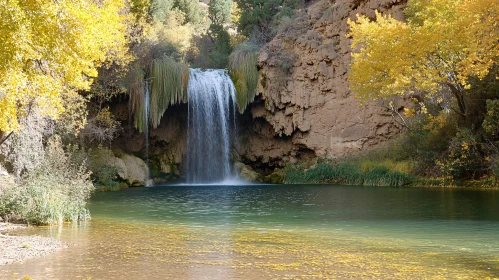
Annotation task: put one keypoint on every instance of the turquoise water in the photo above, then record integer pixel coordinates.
(282, 232)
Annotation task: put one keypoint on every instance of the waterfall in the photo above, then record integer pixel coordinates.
(211, 102)
(147, 105)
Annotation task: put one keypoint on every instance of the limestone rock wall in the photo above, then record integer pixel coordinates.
(304, 108)
(167, 143)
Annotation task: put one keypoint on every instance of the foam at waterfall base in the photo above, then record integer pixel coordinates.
(225, 182)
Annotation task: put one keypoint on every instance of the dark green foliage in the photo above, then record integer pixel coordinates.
(159, 9)
(259, 16)
(491, 122)
(192, 10)
(463, 158)
(219, 11)
(103, 175)
(426, 143)
(214, 49)
(346, 174)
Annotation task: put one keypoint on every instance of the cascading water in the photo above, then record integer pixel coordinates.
(147, 105)
(211, 101)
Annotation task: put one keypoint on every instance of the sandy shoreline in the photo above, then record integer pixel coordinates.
(14, 248)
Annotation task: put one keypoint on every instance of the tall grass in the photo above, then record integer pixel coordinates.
(244, 73)
(53, 193)
(346, 174)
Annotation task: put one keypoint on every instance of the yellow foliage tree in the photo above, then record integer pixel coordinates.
(51, 49)
(441, 44)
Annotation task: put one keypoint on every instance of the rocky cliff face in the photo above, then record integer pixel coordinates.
(304, 108)
(167, 143)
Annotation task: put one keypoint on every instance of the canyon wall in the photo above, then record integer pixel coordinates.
(304, 108)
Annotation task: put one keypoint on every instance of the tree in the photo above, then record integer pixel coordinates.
(440, 47)
(159, 9)
(192, 9)
(52, 49)
(257, 15)
(219, 11)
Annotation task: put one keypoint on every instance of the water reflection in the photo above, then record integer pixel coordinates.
(283, 232)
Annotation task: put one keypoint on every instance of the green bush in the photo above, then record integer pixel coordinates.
(53, 193)
(463, 159)
(491, 122)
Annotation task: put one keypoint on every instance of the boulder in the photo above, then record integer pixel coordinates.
(136, 170)
(246, 172)
(130, 169)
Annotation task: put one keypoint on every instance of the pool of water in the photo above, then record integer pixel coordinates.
(277, 232)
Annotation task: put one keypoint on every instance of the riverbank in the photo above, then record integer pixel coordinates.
(14, 248)
(373, 172)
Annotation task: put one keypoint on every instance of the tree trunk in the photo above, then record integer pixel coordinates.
(461, 100)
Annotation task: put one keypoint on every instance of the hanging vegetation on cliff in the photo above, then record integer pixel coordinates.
(244, 73)
(167, 82)
(168, 86)
(137, 98)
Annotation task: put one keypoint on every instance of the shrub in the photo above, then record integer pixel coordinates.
(53, 193)
(491, 122)
(463, 159)
(104, 175)
(102, 128)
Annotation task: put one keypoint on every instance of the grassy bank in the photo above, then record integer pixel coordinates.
(374, 169)
(360, 174)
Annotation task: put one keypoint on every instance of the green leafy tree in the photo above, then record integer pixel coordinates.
(192, 10)
(257, 16)
(160, 9)
(219, 11)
